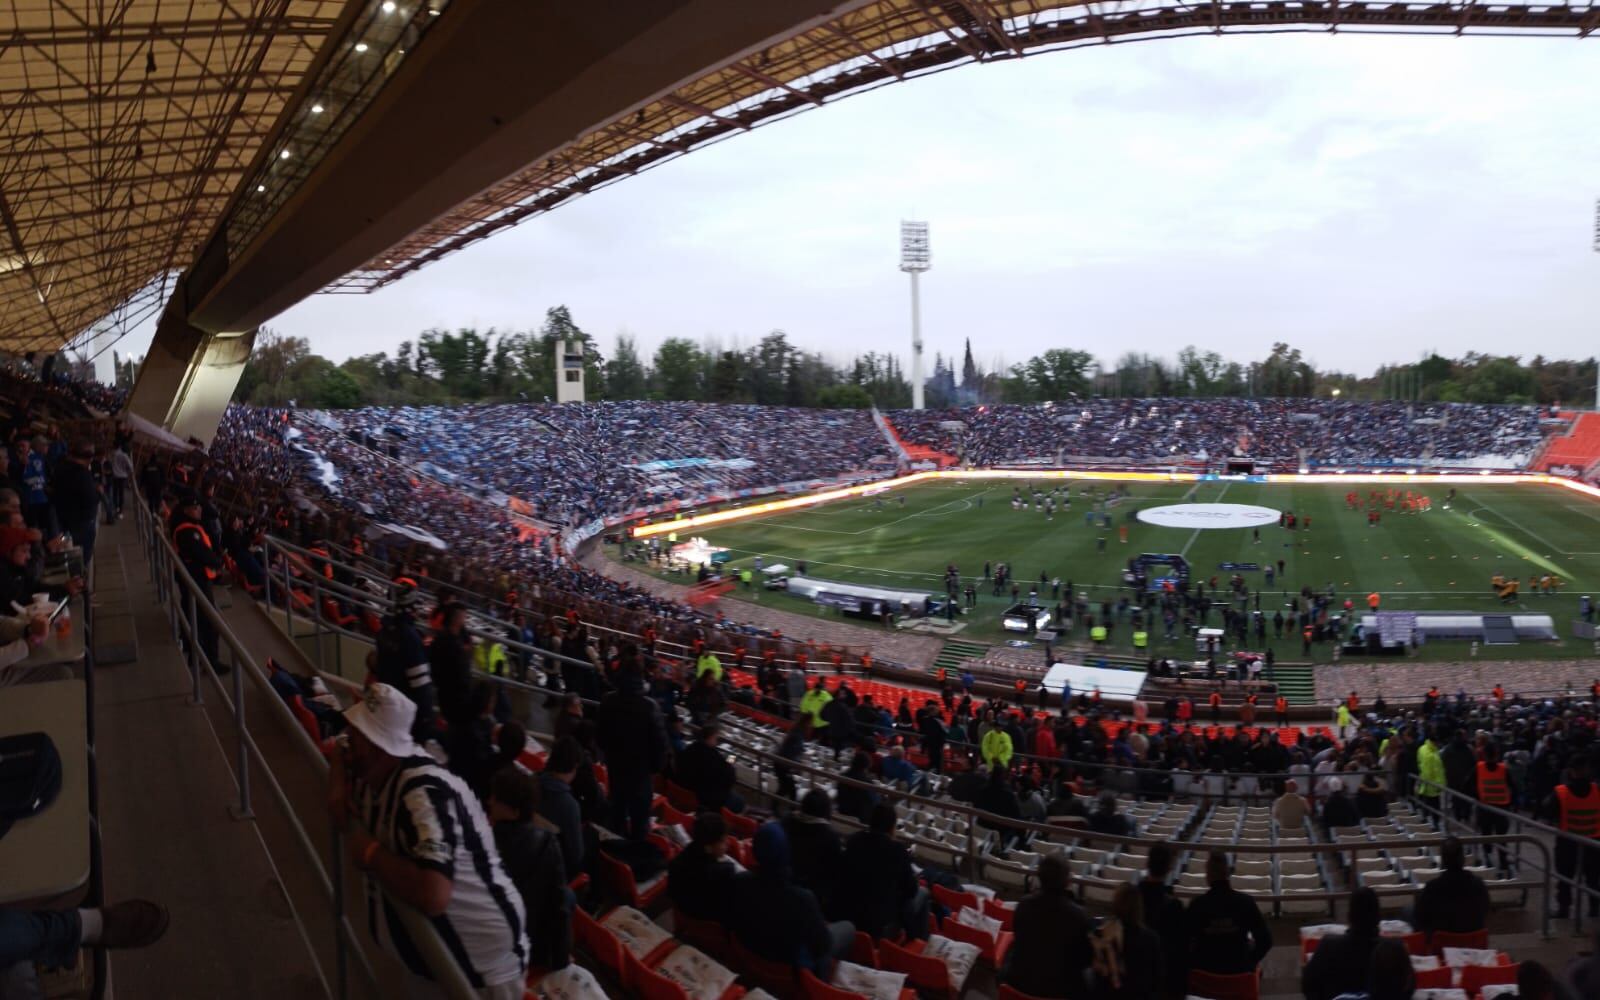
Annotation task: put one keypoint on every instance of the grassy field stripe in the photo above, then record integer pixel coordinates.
(1550, 547)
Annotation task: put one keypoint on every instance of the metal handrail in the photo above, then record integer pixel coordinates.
(1077, 834)
(166, 570)
(1515, 820)
(319, 585)
(1058, 833)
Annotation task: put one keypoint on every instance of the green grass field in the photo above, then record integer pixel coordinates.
(1438, 560)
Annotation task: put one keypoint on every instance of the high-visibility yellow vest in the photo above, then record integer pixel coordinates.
(490, 657)
(1141, 639)
(812, 703)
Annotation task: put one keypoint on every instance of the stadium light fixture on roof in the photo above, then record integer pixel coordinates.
(388, 6)
(361, 46)
(316, 109)
(284, 155)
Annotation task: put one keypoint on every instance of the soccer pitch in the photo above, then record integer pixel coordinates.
(1440, 559)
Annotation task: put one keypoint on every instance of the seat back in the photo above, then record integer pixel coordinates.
(707, 935)
(599, 942)
(676, 817)
(648, 984)
(742, 827)
(1472, 939)
(1475, 977)
(998, 910)
(681, 797)
(1441, 978)
(777, 978)
(1012, 993)
(955, 930)
(1242, 986)
(928, 975)
(621, 878)
(863, 950)
(813, 988)
(953, 899)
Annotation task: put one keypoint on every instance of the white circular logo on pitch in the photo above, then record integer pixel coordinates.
(1209, 515)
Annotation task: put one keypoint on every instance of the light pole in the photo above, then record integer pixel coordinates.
(1597, 250)
(914, 259)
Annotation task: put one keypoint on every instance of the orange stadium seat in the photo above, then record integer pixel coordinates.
(1471, 939)
(1475, 977)
(1012, 993)
(1243, 986)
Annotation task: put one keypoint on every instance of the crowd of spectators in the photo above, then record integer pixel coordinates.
(579, 463)
(1332, 432)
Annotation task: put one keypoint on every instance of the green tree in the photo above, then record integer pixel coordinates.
(844, 397)
(677, 370)
(1057, 374)
(272, 359)
(335, 389)
(625, 373)
(727, 382)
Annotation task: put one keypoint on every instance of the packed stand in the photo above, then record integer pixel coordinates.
(579, 463)
(1273, 430)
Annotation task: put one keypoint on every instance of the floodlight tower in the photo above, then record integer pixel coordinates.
(1596, 250)
(914, 259)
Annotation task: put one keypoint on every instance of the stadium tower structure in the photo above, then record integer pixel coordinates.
(915, 259)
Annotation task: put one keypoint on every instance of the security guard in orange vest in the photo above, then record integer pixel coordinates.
(1494, 789)
(1281, 707)
(1575, 806)
(200, 558)
(1215, 701)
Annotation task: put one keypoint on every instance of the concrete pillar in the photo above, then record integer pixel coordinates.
(189, 375)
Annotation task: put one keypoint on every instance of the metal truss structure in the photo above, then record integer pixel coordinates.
(125, 128)
(886, 41)
(130, 129)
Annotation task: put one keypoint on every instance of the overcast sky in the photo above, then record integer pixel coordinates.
(1364, 198)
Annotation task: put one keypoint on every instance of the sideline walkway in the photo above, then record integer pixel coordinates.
(165, 789)
(895, 645)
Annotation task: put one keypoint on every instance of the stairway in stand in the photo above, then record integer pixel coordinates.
(956, 652)
(1296, 684)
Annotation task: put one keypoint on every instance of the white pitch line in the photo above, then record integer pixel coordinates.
(1192, 538)
(1548, 544)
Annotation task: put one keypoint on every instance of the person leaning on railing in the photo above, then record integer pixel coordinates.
(430, 847)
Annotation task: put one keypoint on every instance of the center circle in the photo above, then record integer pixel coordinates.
(1209, 515)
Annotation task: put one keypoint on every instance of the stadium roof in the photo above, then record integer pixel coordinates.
(125, 126)
(869, 43)
(131, 129)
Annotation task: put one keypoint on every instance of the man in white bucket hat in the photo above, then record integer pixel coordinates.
(430, 846)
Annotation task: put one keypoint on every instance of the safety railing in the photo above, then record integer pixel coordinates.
(313, 625)
(1456, 809)
(973, 852)
(530, 696)
(187, 607)
(534, 697)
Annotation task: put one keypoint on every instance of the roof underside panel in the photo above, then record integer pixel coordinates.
(883, 41)
(125, 126)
